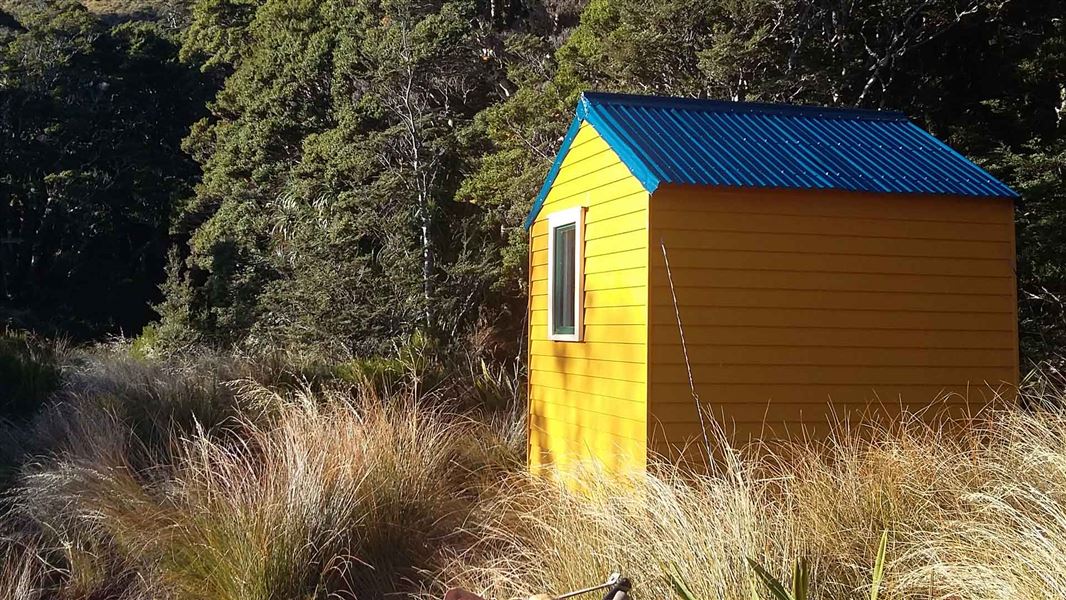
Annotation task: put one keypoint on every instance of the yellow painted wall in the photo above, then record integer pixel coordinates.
(588, 399)
(791, 298)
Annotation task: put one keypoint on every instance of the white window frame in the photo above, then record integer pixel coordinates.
(575, 216)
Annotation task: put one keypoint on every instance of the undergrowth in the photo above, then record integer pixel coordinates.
(29, 373)
(278, 477)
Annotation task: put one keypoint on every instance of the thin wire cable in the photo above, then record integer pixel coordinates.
(684, 350)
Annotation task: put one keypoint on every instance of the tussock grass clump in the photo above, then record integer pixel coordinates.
(972, 514)
(209, 476)
(112, 406)
(552, 535)
(111, 409)
(329, 496)
(29, 372)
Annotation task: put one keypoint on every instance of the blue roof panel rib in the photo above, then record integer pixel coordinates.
(738, 144)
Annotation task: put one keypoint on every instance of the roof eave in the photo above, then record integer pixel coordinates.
(651, 174)
(568, 139)
(586, 111)
(994, 188)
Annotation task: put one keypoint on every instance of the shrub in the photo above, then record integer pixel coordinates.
(973, 514)
(331, 497)
(147, 344)
(29, 373)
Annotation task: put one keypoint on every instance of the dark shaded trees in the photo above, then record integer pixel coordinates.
(987, 77)
(326, 215)
(366, 164)
(91, 119)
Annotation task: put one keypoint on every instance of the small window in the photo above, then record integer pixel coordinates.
(565, 274)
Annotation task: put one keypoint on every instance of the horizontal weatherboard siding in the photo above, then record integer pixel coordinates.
(860, 318)
(800, 308)
(588, 399)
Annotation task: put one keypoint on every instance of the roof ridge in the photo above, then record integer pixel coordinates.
(712, 105)
(690, 141)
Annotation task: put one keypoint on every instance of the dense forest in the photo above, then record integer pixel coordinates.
(262, 302)
(342, 175)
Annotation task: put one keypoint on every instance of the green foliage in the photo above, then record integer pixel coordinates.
(677, 582)
(420, 368)
(410, 366)
(93, 114)
(800, 586)
(986, 77)
(29, 374)
(215, 37)
(1038, 171)
(878, 575)
(146, 344)
(325, 219)
(362, 173)
(800, 581)
(494, 386)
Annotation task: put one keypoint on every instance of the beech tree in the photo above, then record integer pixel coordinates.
(326, 215)
(92, 114)
(361, 173)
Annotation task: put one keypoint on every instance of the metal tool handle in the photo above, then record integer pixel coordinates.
(619, 589)
(611, 582)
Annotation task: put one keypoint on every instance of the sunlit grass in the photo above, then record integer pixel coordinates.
(329, 495)
(975, 514)
(224, 478)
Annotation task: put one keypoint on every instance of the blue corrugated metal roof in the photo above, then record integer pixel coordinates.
(738, 144)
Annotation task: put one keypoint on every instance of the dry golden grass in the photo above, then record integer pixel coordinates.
(221, 479)
(328, 496)
(22, 569)
(978, 514)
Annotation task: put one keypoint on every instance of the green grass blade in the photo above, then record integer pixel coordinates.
(754, 582)
(800, 579)
(879, 566)
(680, 587)
(775, 587)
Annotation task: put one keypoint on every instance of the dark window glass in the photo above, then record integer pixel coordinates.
(565, 249)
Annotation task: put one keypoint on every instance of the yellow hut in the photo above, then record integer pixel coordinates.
(794, 265)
